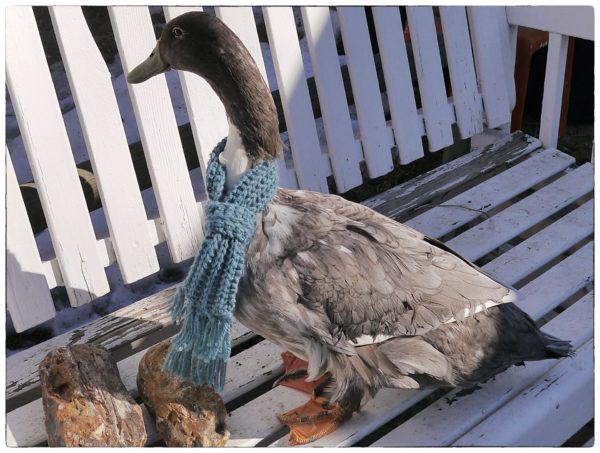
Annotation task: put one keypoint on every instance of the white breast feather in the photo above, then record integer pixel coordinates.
(234, 158)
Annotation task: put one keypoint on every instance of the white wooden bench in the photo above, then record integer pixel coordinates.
(518, 207)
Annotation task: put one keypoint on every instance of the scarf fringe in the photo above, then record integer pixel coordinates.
(197, 371)
(188, 358)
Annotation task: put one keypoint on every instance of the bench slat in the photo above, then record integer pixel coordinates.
(401, 201)
(542, 247)
(27, 296)
(566, 392)
(428, 66)
(51, 160)
(206, 112)
(407, 124)
(448, 418)
(469, 205)
(332, 98)
(487, 49)
(257, 420)
(377, 140)
(25, 425)
(259, 364)
(465, 94)
(560, 282)
(107, 146)
(134, 35)
(524, 214)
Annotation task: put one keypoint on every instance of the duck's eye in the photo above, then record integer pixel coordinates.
(177, 32)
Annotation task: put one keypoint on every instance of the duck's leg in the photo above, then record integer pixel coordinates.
(313, 420)
(295, 373)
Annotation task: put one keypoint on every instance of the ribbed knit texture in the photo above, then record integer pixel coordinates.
(203, 305)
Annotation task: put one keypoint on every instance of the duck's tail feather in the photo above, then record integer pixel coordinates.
(557, 348)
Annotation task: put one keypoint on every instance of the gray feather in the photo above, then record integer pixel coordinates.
(322, 272)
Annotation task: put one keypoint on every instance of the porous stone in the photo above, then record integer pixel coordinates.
(186, 415)
(85, 402)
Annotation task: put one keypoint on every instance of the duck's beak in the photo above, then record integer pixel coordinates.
(150, 67)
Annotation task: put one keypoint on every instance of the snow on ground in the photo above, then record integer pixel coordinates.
(121, 295)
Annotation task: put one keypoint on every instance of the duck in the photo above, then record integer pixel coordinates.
(358, 301)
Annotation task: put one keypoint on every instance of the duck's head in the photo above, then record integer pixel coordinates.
(203, 44)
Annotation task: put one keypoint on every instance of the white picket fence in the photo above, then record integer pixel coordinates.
(479, 44)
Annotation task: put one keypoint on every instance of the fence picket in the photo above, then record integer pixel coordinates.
(332, 98)
(465, 94)
(205, 110)
(135, 39)
(100, 120)
(377, 139)
(553, 88)
(487, 49)
(50, 158)
(287, 59)
(436, 110)
(507, 36)
(27, 296)
(407, 124)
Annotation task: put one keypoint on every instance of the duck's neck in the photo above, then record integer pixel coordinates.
(251, 112)
(234, 158)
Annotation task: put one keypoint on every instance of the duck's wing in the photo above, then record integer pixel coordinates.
(375, 278)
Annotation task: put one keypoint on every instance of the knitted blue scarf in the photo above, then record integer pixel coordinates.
(203, 305)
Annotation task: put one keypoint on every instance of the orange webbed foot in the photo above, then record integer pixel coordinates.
(312, 420)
